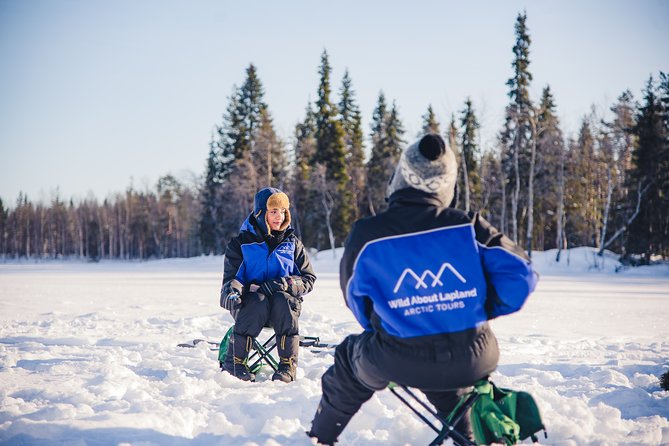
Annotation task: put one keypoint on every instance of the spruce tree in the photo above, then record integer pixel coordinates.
(379, 169)
(268, 153)
(331, 153)
(242, 119)
(621, 128)
(649, 232)
(470, 157)
(430, 123)
(517, 131)
(395, 135)
(238, 136)
(208, 228)
(582, 207)
(492, 187)
(549, 153)
(306, 209)
(230, 137)
(387, 143)
(251, 108)
(618, 136)
(351, 121)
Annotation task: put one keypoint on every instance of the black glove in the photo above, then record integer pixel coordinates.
(270, 287)
(295, 286)
(232, 301)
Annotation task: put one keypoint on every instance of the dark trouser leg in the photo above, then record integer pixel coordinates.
(249, 321)
(288, 347)
(284, 313)
(235, 358)
(343, 394)
(445, 402)
(253, 315)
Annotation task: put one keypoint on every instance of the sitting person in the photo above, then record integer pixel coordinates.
(423, 279)
(266, 272)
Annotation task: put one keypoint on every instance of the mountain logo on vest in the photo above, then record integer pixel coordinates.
(421, 280)
(285, 248)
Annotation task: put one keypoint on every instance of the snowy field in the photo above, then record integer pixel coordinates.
(88, 356)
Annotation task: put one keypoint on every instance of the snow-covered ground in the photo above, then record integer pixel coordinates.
(88, 356)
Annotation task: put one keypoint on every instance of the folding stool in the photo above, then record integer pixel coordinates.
(497, 415)
(447, 429)
(262, 352)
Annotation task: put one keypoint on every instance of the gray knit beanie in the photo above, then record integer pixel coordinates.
(427, 165)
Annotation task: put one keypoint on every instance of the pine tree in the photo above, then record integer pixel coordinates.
(395, 134)
(649, 232)
(331, 153)
(516, 135)
(492, 187)
(351, 121)
(230, 145)
(387, 142)
(617, 137)
(307, 212)
(663, 167)
(621, 128)
(246, 122)
(378, 169)
(582, 207)
(242, 120)
(664, 99)
(470, 157)
(430, 123)
(388, 137)
(208, 228)
(251, 108)
(549, 153)
(269, 154)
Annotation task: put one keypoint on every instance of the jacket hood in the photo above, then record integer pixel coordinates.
(270, 197)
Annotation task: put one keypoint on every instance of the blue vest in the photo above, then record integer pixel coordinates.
(433, 282)
(260, 265)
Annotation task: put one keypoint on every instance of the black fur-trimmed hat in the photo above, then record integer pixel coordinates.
(428, 165)
(270, 198)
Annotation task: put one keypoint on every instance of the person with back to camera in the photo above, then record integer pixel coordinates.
(266, 272)
(423, 279)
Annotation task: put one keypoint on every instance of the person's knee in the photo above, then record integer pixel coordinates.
(253, 315)
(284, 302)
(364, 370)
(284, 314)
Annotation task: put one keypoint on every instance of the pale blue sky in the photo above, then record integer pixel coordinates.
(96, 93)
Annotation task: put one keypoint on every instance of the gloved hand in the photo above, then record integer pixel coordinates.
(295, 286)
(232, 300)
(270, 287)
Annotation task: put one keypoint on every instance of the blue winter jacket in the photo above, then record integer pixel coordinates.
(420, 269)
(251, 259)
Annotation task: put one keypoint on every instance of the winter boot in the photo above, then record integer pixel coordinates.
(327, 424)
(287, 347)
(237, 354)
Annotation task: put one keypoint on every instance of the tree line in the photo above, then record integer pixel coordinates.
(131, 225)
(607, 186)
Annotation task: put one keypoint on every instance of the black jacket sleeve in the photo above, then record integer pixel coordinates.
(515, 273)
(232, 262)
(488, 235)
(299, 285)
(352, 247)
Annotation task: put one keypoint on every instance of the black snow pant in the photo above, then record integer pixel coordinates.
(366, 363)
(279, 311)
